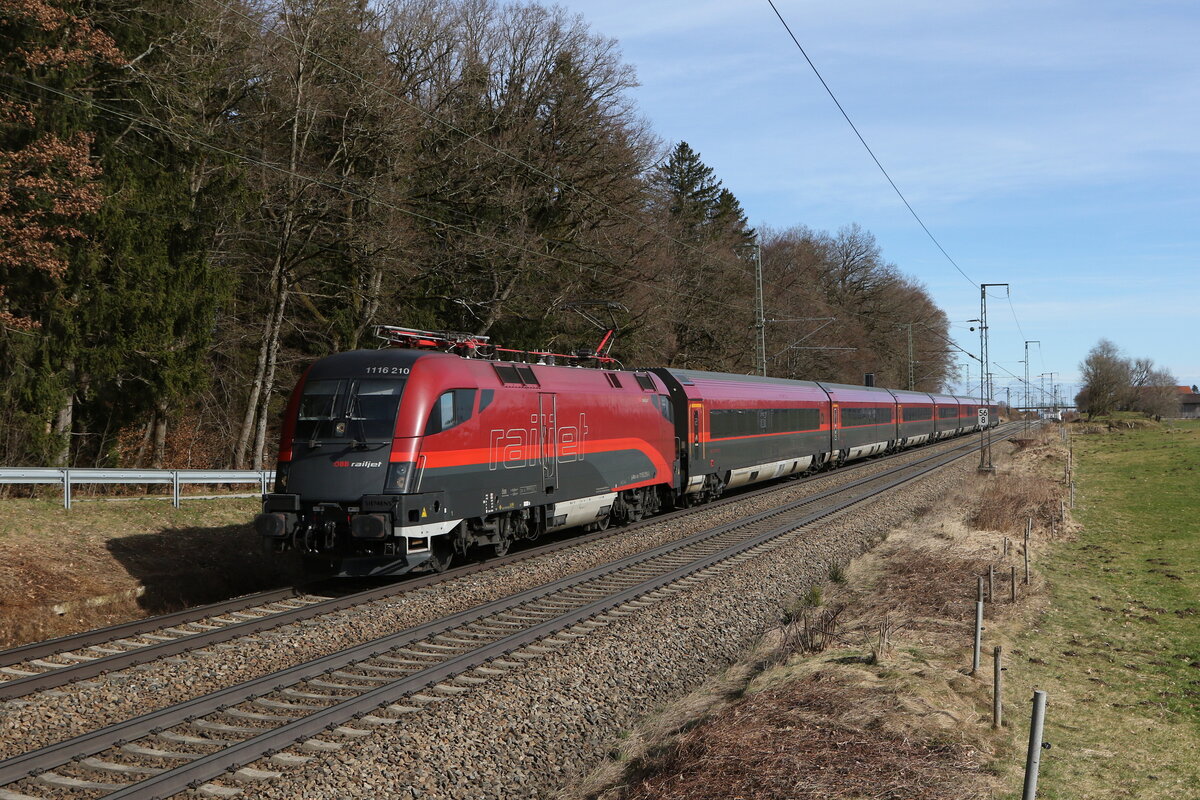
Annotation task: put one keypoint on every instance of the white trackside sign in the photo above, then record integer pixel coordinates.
(983, 416)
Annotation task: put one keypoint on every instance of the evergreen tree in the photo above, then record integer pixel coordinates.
(48, 192)
(706, 266)
(688, 191)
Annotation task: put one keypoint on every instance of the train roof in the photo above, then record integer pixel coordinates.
(692, 375)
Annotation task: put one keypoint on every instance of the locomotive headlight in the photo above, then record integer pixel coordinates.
(281, 475)
(398, 477)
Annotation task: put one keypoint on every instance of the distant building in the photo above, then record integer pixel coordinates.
(1189, 402)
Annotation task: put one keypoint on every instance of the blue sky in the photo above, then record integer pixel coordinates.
(1049, 145)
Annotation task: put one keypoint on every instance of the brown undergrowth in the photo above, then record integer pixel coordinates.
(784, 742)
(864, 690)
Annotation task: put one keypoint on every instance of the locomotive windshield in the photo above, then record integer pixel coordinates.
(361, 410)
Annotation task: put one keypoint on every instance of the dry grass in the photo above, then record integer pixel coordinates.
(1029, 487)
(1010, 499)
(106, 562)
(788, 741)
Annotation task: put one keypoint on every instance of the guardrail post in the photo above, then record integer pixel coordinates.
(67, 488)
(175, 488)
(262, 479)
(1033, 757)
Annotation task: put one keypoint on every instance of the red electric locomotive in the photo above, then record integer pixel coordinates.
(402, 457)
(386, 453)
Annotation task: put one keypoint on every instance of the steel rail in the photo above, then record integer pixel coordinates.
(76, 641)
(98, 665)
(207, 767)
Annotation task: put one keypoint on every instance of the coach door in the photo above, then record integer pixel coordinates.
(835, 422)
(547, 438)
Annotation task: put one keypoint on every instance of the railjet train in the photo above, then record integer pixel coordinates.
(410, 456)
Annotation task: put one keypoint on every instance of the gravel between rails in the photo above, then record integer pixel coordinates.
(526, 731)
(52, 716)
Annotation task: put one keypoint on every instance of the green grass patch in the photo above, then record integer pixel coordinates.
(1118, 650)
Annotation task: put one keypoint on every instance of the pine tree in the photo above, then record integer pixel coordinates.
(688, 190)
(705, 265)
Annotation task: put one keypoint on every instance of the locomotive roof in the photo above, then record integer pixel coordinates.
(353, 362)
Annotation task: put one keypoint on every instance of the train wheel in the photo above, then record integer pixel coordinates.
(636, 505)
(505, 537)
(441, 553)
(501, 548)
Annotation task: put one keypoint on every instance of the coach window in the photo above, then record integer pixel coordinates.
(452, 408)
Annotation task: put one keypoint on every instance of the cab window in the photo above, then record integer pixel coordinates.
(451, 408)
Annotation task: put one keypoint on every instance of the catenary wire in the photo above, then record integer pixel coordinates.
(879, 164)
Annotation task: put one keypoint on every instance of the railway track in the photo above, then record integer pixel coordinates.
(287, 716)
(46, 665)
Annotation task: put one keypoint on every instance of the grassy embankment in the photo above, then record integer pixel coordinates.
(1110, 629)
(1118, 648)
(105, 562)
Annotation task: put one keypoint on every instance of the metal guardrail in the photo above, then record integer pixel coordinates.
(67, 477)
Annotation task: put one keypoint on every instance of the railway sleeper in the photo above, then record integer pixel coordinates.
(320, 746)
(58, 781)
(256, 716)
(221, 727)
(251, 775)
(349, 732)
(122, 769)
(291, 692)
(154, 752)
(323, 684)
(195, 741)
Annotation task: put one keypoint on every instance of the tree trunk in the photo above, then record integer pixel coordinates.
(63, 423)
(160, 434)
(147, 436)
(496, 309)
(370, 305)
(265, 366)
(268, 383)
